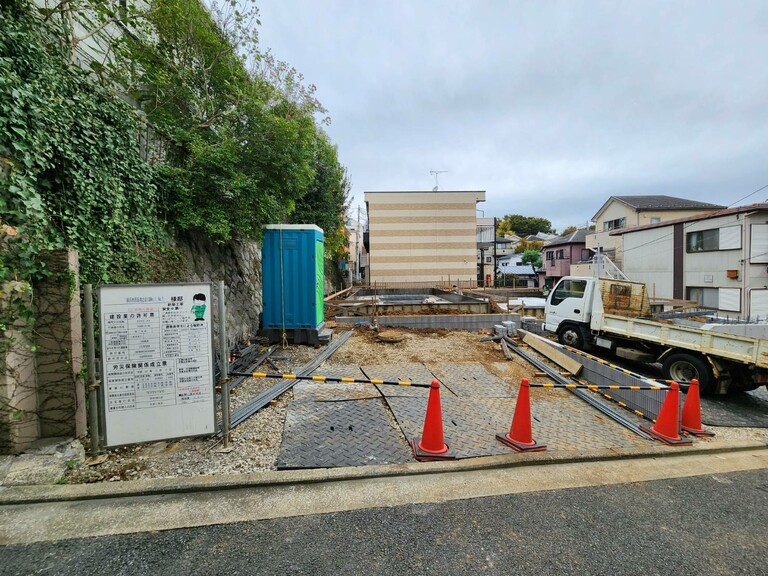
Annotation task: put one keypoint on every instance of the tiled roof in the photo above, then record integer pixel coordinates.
(524, 270)
(661, 202)
(577, 237)
(696, 218)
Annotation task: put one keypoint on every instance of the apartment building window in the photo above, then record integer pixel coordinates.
(727, 238)
(717, 298)
(706, 297)
(614, 224)
(703, 241)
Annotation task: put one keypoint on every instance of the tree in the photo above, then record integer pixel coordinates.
(569, 230)
(327, 197)
(531, 257)
(247, 147)
(522, 225)
(525, 246)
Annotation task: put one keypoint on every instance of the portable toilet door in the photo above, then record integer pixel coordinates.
(293, 276)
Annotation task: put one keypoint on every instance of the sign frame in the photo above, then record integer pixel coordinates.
(155, 326)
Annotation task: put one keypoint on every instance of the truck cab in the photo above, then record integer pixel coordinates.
(569, 309)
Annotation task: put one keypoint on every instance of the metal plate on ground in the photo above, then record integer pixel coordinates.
(559, 420)
(333, 434)
(412, 371)
(312, 391)
(471, 379)
(334, 391)
(749, 409)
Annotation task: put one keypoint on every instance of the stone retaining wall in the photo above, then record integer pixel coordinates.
(238, 263)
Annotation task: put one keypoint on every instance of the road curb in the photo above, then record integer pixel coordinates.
(14, 495)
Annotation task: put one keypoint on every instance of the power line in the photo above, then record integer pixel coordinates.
(748, 195)
(687, 224)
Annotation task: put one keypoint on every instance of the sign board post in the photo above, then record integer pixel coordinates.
(157, 362)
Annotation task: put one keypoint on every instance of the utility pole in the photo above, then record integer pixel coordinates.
(357, 246)
(495, 254)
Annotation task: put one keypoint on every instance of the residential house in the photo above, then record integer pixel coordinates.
(505, 263)
(423, 237)
(505, 246)
(517, 275)
(490, 252)
(719, 259)
(94, 31)
(620, 212)
(541, 237)
(357, 259)
(486, 250)
(560, 253)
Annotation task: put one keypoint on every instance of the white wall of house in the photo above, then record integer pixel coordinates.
(615, 211)
(648, 259)
(725, 262)
(423, 236)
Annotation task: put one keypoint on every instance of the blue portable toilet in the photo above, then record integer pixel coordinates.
(293, 280)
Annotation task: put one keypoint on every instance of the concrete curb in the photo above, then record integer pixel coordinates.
(63, 493)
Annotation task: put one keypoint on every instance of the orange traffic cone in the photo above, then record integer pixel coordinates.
(667, 426)
(519, 436)
(430, 445)
(691, 421)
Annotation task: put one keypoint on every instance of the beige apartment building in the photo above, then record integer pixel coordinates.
(423, 237)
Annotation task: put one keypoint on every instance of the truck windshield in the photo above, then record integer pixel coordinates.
(568, 289)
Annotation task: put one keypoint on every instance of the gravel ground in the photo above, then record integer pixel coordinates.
(256, 442)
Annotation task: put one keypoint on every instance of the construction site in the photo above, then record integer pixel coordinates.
(395, 373)
(407, 383)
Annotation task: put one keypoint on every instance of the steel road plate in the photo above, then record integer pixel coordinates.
(412, 371)
(748, 409)
(471, 379)
(333, 434)
(333, 391)
(307, 390)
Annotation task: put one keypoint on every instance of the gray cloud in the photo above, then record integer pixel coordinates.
(549, 107)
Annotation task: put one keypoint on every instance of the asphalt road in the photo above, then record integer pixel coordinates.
(702, 525)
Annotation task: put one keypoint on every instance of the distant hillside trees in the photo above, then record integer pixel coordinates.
(522, 225)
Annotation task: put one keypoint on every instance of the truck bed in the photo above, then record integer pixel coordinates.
(737, 348)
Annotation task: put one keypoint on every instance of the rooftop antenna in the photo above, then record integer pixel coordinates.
(436, 172)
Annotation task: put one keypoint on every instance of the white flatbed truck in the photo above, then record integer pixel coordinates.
(615, 315)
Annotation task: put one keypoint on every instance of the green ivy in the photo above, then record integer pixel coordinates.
(74, 176)
(245, 148)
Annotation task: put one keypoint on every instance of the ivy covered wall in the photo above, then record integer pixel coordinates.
(244, 140)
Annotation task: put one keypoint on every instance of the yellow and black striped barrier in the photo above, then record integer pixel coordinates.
(330, 379)
(625, 405)
(595, 386)
(614, 366)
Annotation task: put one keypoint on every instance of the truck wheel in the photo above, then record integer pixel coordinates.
(570, 335)
(682, 367)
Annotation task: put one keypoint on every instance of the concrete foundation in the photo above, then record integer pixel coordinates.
(437, 321)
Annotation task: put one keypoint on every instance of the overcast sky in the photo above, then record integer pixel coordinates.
(550, 107)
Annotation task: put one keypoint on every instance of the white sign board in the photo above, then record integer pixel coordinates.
(157, 362)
